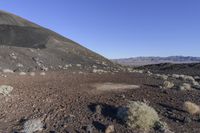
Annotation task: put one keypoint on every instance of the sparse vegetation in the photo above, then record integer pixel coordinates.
(185, 86)
(7, 71)
(110, 129)
(99, 71)
(78, 90)
(176, 76)
(191, 108)
(42, 73)
(132, 70)
(5, 89)
(138, 115)
(187, 78)
(161, 76)
(167, 85)
(22, 73)
(32, 126)
(32, 73)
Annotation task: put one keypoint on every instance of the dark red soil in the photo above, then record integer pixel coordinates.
(59, 94)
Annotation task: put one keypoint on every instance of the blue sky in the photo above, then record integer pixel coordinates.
(119, 28)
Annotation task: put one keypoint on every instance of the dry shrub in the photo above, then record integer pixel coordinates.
(6, 90)
(185, 86)
(191, 108)
(168, 85)
(138, 115)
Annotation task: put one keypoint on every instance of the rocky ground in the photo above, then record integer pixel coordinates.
(66, 102)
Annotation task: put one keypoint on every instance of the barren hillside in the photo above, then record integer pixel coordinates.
(25, 46)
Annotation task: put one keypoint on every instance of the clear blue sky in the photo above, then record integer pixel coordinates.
(119, 28)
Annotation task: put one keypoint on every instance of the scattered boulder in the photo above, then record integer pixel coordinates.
(98, 109)
(161, 127)
(70, 118)
(32, 126)
(5, 89)
(187, 119)
(191, 108)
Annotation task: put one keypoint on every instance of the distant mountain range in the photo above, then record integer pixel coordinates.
(140, 61)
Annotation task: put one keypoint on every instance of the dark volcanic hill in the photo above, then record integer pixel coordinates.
(140, 61)
(25, 46)
(192, 69)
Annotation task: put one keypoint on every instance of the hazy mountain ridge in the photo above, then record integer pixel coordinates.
(139, 61)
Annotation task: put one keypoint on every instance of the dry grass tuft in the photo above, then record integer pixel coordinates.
(191, 108)
(168, 85)
(185, 86)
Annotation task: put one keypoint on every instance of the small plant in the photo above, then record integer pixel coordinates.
(138, 115)
(110, 129)
(5, 89)
(191, 108)
(22, 73)
(42, 73)
(7, 71)
(185, 86)
(32, 73)
(162, 76)
(168, 85)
